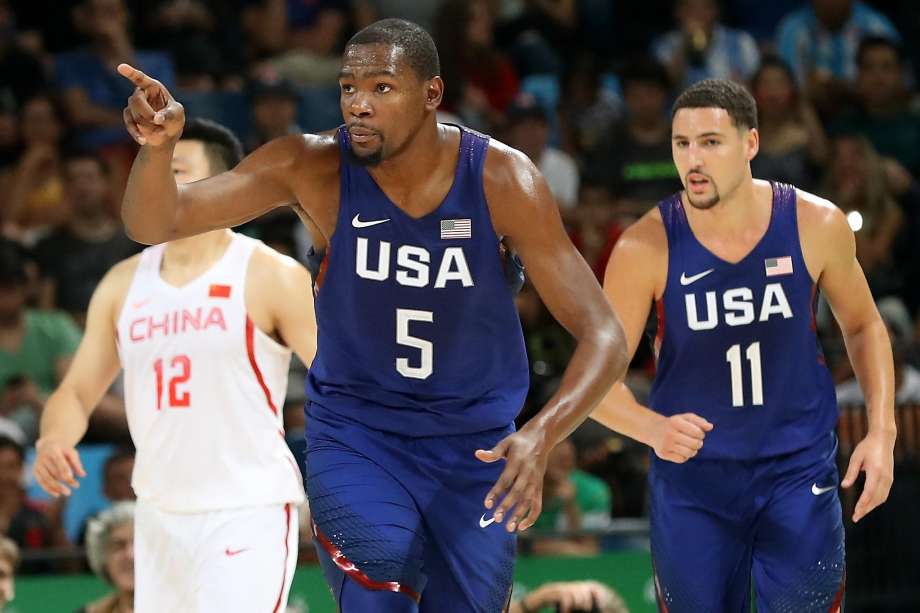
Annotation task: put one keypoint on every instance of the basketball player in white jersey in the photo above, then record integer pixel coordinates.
(203, 328)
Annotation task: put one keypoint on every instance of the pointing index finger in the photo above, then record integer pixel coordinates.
(135, 76)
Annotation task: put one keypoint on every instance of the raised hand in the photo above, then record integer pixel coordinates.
(152, 117)
(679, 437)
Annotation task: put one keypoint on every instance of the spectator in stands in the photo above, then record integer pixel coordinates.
(9, 561)
(906, 376)
(856, 181)
(110, 549)
(302, 38)
(571, 597)
(21, 72)
(9, 133)
(572, 501)
(793, 145)
(21, 519)
(528, 131)
(819, 42)
(633, 160)
(702, 48)
(116, 476)
(588, 109)
(274, 112)
(202, 36)
(35, 350)
(35, 187)
(482, 81)
(74, 258)
(882, 110)
(94, 94)
(35, 345)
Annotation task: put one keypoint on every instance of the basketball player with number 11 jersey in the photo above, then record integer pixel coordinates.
(742, 414)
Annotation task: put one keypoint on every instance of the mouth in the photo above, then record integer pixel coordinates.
(697, 183)
(362, 135)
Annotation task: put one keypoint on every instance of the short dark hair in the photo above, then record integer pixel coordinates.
(13, 264)
(644, 69)
(420, 51)
(7, 442)
(867, 43)
(221, 146)
(118, 455)
(720, 94)
(78, 155)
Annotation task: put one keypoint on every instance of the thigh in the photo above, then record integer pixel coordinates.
(366, 524)
(162, 562)
(246, 559)
(701, 555)
(469, 558)
(799, 543)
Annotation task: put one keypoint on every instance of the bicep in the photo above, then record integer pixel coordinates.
(630, 289)
(844, 284)
(297, 320)
(95, 364)
(258, 184)
(560, 275)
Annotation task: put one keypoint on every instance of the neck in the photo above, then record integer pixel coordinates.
(93, 225)
(415, 162)
(125, 602)
(195, 251)
(650, 131)
(734, 213)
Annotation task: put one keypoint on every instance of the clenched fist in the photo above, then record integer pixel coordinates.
(679, 437)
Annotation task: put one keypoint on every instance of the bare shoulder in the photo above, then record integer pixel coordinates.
(112, 290)
(507, 170)
(817, 215)
(310, 153)
(268, 261)
(644, 242)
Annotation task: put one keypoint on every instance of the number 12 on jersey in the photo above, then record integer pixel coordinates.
(733, 357)
(180, 367)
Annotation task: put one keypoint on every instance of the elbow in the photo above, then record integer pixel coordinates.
(611, 336)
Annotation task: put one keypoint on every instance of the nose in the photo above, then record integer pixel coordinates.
(694, 156)
(360, 106)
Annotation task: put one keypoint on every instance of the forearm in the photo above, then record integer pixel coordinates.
(620, 412)
(151, 201)
(65, 418)
(869, 350)
(599, 360)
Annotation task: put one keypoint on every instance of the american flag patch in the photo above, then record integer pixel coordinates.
(456, 228)
(778, 266)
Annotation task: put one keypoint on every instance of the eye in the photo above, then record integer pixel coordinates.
(712, 142)
(680, 144)
(347, 88)
(383, 88)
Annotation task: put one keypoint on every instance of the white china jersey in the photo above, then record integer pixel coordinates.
(204, 389)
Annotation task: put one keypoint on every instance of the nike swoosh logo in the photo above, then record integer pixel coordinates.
(484, 523)
(357, 223)
(140, 303)
(817, 491)
(232, 552)
(685, 280)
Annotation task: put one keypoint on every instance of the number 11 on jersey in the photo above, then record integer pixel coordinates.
(733, 357)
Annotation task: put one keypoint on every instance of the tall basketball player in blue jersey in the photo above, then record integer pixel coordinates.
(743, 481)
(416, 478)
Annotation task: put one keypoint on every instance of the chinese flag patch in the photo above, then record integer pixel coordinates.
(219, 291)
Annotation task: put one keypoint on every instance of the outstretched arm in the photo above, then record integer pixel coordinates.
(94, 367)
(523, 210)
(636, 274)
(155, 209)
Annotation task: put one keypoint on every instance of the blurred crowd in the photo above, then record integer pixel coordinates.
(582, 87)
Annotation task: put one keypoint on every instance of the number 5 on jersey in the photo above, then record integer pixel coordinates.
(180, 370)
(426, 366)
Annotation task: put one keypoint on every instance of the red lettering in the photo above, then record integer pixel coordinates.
(215, 317)
(153, 326)
(134, 334)
(190, 319)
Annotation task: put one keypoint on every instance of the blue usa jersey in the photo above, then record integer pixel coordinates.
(418, 331)
(737, 344)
